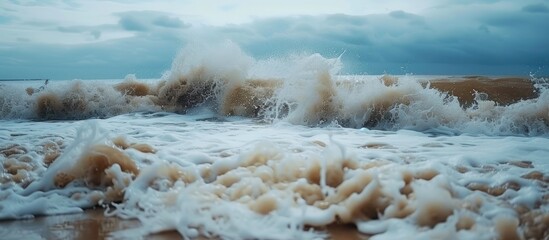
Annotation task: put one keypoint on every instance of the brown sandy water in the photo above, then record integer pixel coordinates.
(251, 97)
(92, 225)
(504, 90)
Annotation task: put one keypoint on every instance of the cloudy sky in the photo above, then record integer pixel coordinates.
(67, 39)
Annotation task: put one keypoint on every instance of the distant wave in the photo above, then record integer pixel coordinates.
(301, 89)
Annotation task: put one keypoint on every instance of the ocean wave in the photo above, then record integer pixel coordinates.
(300, 89)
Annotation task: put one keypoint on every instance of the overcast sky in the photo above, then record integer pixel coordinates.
(67, 39)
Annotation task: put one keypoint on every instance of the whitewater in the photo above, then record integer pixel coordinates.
(226, 146)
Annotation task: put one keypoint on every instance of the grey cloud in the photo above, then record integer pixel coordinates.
(465, 39)
(484, 28)
(412, 18)
(233, 29)
(474, 42)
(349, 38)
(96, 34)
(170, 22)
(461, 40)
(505, 21)
(43, 24)
(71, 29)
(346, 19)
(143, 21)
(20, 39)
(146, 55)
(94, 31)
(536, 8)
(304, 28)
(402, 15)
(132, 23)
(272, 27)
(5, 19)
(448, 4)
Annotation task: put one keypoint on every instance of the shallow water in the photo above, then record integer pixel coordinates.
(92, 224)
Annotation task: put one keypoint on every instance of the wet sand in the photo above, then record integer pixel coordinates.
(92, 225)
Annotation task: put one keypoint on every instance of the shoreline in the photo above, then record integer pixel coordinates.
(93, 224)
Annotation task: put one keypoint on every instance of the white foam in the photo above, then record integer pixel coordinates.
(161, 204)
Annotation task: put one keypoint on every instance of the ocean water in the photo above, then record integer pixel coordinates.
(227, 146)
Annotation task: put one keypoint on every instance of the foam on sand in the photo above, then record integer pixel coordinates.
(279, 188)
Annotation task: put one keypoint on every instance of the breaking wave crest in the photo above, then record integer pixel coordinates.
(299, 89)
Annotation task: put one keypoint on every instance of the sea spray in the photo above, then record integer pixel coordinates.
(299, 89)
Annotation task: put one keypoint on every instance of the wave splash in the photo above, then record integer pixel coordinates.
(300, 89)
